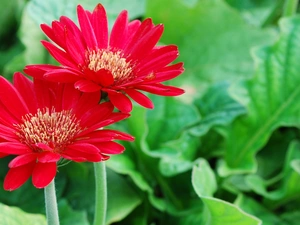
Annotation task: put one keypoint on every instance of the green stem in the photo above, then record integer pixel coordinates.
(290, 7)
(101, 193)
(51, 204)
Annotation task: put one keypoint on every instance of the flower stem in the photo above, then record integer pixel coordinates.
(290, 7)
(51, 204)
(101, 193)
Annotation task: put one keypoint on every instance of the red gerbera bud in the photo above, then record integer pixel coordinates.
(43, 123)
(123, 63)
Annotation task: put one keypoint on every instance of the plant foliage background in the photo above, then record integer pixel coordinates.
(225, 153)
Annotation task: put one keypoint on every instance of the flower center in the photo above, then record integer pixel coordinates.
(48, 128)
(113, 62)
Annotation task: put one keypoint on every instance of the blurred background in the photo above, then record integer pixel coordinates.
(226, 152)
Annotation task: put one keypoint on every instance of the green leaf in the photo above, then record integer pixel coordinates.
(81, 177)
(271, 98)
(15, 216)
(69, 216)
(203, 179)
(122, 198)
(295, 164)
(22, 197)
(30, 35)
(167, 119)
(217, 108)
(8, 12)
(258, 13)
(288, 188)
(213, 39)
(291, 218)
(46, 12)
(251, 206)
(217, 211)
(122, 164)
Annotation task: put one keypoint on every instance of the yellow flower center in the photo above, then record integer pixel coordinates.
(47, 127)
(113, 62)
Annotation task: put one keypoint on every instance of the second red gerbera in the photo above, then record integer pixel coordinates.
(43, 122)
(123, 63)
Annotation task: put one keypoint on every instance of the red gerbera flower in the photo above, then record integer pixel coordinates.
(121, 63)
(44, 122)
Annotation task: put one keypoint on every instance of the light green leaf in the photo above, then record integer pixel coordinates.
(217, 108)
(47, 11)
(295, 164)
(15, 216)
(213, 39)
(217, 211)
(30, 35)
(223, 213)
(203, 179)
(271, 97)
(122, 198)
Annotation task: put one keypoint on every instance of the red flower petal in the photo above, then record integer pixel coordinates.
(113, 118)
(7, 118)
(159, 58)
(3, 155)
(132, 28)
(84, 148)
(21, 160)
(86, 28)
(168, 73)
(26, 89)
(104, 78)
(49, 32)
(143, 29)
(140, 98)
(8, 133)
(121, 101)
(160, 89)
(47, 157)
(119, 31)
(96, 114)
(70, 97)
(62, 75)
(110, 148)
(38, 71)
(43, 174)
(100, 25)
(61, 56)
(17, 176)
(87, 86)
(75, 48)
(12, 101)
(71, 27)
(44, 147)
(86, 101)
(147, 42)
(82, 151)
(14, 148)
(105, 135)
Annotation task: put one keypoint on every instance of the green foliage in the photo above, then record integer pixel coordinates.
(15, 216)
(226, 152)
